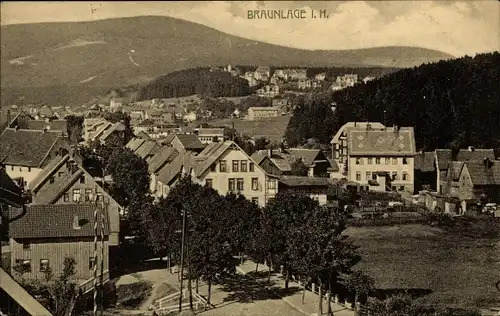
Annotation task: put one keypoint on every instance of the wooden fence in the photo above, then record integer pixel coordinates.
(88, 285)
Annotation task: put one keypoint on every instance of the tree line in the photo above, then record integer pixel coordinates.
(450, 104)
(201, 81)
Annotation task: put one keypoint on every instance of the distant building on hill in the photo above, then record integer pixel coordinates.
(258, 112)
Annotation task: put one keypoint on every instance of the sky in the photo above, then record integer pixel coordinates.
(455, 27)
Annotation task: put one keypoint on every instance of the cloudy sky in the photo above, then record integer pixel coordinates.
(454, 27)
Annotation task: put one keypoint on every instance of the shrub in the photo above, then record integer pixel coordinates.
(133, 295)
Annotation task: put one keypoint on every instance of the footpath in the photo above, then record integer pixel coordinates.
(311, 302)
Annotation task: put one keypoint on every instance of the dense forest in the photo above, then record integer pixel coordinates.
(450, 104)
(199, 81)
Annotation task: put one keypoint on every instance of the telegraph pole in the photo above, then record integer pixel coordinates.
(95, 251)
(182, 256)
(103, 214)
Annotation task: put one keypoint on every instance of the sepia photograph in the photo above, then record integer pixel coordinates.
(250, 158)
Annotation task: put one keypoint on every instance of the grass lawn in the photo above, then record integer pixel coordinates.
(272, 128)
(458, 270)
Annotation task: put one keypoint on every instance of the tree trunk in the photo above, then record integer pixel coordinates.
(328, 303)
(196, 285)
(209, 290)
(287, 280)
(269, 273)
(304, 291)
(356, 297)
(256, 268)
(320, 300)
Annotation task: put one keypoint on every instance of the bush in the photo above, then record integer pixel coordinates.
(133, 295)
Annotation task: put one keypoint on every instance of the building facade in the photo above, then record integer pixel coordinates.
(257, 113)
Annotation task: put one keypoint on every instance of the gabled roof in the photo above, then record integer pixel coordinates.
(210, 155)
(190, 141)
(350, 126)
(170, 171)
(116, 127)
(333, 165)
(55, 221)
(149, 147)
(454, 168)
(382, 142)
(26, 147)
(484, 172)
(258, 157)
(424, 161)
(444, 156)
(135, 143)
(308, 156)
(297, 181)
(165, 155)
(51, 193)
(53, 165)
(54, 125)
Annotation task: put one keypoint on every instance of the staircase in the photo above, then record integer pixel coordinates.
(88, 285)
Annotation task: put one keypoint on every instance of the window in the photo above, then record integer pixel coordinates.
(208, 183)
(370, 160)
(255, 200)
(26, 265)
(21, 169)
(222, 166)
(26, 245)
(368, 175)
(66, 197)
(358, 161)
(76, 195)
(91, 262)
(387, 160)
(29, 169)
(405, 161)
(395, 176)
(405, 176)
(243, 166)
(374, 176)
(271, 184)
(358, 176)
(251, 167)
(98, 196)
(236, 166)
(44, 265)
(239, 184)
(402, 188)
(12, 168)
(52, 179)
(394, 161)
(255, 184)
(212, 167)
(231, 186)
(377, 160)
(82, 179)
(88, 194)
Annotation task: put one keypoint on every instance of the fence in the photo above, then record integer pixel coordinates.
(88, 285)
(359, 222)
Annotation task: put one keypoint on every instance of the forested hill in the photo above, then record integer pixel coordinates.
(201, 81)
(452, 103)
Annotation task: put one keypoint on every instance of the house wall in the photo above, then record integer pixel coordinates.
(270, 167)
(316, 193)
(266, 186)
(56, 250)
(465, 187)
(176, 143)
(259, 114)
(210, 138)
(27, 173)
(399, 167)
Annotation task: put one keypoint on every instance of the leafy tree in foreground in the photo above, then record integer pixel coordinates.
(360, 283)
(299, 168)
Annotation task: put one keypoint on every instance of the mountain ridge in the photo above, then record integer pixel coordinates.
(104, 54)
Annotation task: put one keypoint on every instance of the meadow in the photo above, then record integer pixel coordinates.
(452, 269)
(273, 128)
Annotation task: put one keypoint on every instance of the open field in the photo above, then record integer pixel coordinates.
(272, 128)
(457, 270)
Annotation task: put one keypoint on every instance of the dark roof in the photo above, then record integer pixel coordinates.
(424, 161)
(296, 181)
(484, 173)
(166, 155)
(55, 221)
(190, 141)
(170, 171)
(135, 143)
(149, 147)
(10, 193)
(26, 147)
(210, 155)
(258, 157)
(55, 125)
(308, 156)
(444, 156)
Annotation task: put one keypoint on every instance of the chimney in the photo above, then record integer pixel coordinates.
(76, 222)
(269, 152)
(487, 162)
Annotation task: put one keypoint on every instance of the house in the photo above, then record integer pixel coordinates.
(339, 141)
(39, 242)
(210, 135)
(444, 156)
(116, 103)
(479, 182)
(249, 76)
(314, 159)
(262, 73)
(315, 188)
(165, 156)
(190, 117)
(170, 173)
(101, 130)
(345, 81)
(268, 91)
(320, 77)
(425, 171)
(14, 299)
(24, 153)
(44, 112)
(453, 177)
(260, 112)
(65, 181)
(382, 160)
(304, 84)
(148, 149)
(187, 142)
(146, 126)
(24, 121)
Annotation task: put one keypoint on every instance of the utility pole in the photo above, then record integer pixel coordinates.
(190, 288)
(103, 214)
(182, 257)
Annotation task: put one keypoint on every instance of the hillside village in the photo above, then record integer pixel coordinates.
(106, 170)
